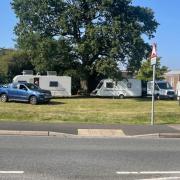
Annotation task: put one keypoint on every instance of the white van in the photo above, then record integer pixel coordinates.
(121, 89)
(163, 90)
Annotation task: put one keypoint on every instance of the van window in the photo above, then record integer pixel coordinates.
(109, 85)
(164, 85)
(156, 87)
(53, 84)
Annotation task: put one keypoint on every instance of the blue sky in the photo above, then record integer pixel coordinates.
(167, 36)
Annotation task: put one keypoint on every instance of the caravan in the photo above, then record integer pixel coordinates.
(58, 85)
(121, 89)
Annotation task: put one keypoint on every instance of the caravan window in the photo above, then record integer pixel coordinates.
(53, 84)
(99, 85)
(109, 85)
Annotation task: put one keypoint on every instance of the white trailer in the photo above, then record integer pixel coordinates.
(163, 90)
(121, 89)
(60, 86)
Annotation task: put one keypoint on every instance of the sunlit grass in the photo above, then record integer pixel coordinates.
(93, 110)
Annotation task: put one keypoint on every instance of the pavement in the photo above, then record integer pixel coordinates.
(88, 130)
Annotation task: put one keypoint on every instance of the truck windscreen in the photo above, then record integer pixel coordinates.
(164, 85)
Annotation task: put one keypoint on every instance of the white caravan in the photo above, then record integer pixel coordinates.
(60, 86)
(162, 90)
(121, 89)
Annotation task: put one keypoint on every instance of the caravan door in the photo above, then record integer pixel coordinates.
(36, 81)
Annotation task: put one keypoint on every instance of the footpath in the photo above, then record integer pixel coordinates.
(88, 130)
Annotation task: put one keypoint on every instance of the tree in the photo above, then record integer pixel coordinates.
(12, 63)
(95, 32)
(146, 71)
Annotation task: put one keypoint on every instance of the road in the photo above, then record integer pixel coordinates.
(54, 158)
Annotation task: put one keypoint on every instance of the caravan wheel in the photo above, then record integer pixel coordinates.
(121, 96)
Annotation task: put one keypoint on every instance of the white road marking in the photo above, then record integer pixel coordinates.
(164, 178)
(146, 172)
(11, 172)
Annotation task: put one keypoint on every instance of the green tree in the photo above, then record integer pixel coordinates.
(96, 32)
(12, 63)
(146, 71)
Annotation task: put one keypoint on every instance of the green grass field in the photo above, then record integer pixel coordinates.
(93, 110)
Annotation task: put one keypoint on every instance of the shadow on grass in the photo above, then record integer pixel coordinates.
(150, 99)
(41, 103)
(52, 103)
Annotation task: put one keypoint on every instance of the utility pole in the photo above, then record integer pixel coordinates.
(153, 63)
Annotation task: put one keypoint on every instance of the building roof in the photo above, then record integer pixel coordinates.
(173, 72)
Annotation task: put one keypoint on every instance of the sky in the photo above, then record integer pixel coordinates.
(167, 37)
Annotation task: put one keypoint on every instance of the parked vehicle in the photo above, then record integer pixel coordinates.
(121, 89)
(58, 85)
(25, 92)
(178, 90)
(163, 90)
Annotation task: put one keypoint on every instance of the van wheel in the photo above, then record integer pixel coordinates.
(158, 97)
(121, 96)
(33, 100)
(4, 98)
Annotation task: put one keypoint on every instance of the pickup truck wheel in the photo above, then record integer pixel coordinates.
(33, 100)
(4, 98)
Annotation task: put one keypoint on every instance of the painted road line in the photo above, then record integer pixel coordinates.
(164, 178)
(11, 172)
(146, 172)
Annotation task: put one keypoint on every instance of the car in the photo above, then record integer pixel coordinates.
(24, 92)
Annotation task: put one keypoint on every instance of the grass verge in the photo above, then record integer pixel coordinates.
(93, 110)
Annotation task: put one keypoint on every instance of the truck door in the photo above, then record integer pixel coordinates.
(23, 93)
(13, 91)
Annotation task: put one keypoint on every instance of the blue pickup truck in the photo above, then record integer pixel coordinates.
(25, 92)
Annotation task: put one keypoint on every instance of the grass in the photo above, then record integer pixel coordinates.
(93, 110)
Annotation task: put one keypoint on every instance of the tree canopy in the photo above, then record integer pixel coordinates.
(87, 35)
(146, 71)
(13, 62)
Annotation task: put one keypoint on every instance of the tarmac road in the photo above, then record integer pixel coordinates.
(53, 158)
(72, 128)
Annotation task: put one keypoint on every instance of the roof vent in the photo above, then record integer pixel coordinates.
(27, 72)
(51, 73)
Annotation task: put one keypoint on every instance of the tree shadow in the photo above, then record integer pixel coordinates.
(52, 103)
